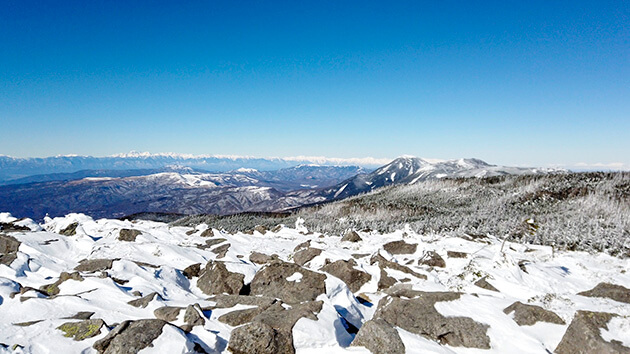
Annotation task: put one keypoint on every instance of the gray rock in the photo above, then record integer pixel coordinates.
(8, 244)
(400, 247)
(351, 236)
(483, 283)
(211, 242)
(305, 244)
(227, 301)
(454, 254)
(12, 227)
(70, 230)
(82, 315)
(418, 315)
(610, 291)
(261, 258)
(145, 300)
(82, 330)
(8, 249)
(271, 330)
(584, 335)
(221, 251)
(128, 235)
(272, 281)
(345, 271)
(379, 337)
(53, 289)
(207, 233)
(240, 317)
(528, 315)
(192, 270)
(216, 279)
(167, 313)
(94, 265)
(27, 323)
(432, 259)
(256, 338)
(192, 316)
(130, 337)
(304, 256)
(386, 280)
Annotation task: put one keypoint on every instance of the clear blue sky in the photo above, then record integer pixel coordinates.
(511, 82)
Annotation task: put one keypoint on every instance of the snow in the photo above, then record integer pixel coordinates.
(552, 281)
(295, 277)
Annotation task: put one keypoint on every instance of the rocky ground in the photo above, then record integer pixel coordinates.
(78, 285)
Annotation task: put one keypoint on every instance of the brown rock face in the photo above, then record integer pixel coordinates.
(418, 315)
(483, 283)
(610, 291)
(216, 279)
(71, 230)
(130, 337)
(400, 247)
(271, 330)
(128, 235)
(379, 337)
(584, 335)
(304, 256)
(345, 271)
(94, 265)
(272, 281)
(528, 315)
(351, 236)
(261, 258)
(432, 259)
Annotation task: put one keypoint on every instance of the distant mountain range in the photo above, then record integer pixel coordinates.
(12, 168)
(185, 190)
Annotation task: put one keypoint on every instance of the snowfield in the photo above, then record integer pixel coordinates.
(147, 271)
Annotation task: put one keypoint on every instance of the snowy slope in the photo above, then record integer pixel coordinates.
(155, 261)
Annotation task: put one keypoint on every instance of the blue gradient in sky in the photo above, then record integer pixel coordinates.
(511, 82)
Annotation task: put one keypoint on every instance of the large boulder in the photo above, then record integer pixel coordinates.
(8, 249)
(94, 265)
(400, 247)
(289, 282)
(584, 335)
(221, 251)
(261, 258)
(305, 255)
(128, 235)
(82, 330)
(385, 280)
(414, 311)
(273, 327)
(432, 259)
(256, 338)
(70, 230)
(216, 279)
(167, 313)
(484, 284)
(610, 291)
(130, 337)
(145, 300)
(528, 315)
(345, 271)
(379, 337)
(351, 236)
(192, 270)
